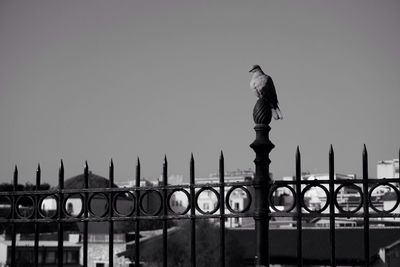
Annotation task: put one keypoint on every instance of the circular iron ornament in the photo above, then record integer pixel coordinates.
(197, 198)
(141, 202)
(228, 195)
(64, 208)
(115, 207)
(308, 188)
(353, 186)
(42, 212)
(6, 201)
(384, 184)
(271, 203)
(169, 198)
(18, 202)
(89, 205)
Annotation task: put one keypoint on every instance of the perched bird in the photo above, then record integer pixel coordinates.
(263, 87)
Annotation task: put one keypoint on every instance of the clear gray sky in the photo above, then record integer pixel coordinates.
(91, 80)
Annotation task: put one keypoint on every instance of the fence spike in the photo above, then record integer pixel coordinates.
(192, 168)
(13, 225)
(137, 182)
(15, 178)
(221, 157)
(298, 209)
(36, 225)
(138, 161)
(332, 230)
(86, 175)
(38, 172)
(192, 214)
(61, 175)
(365, 152)
(137, 207)
(111, 174)
(165, 212)
(331, 149)
(366, 203)
(165, 170)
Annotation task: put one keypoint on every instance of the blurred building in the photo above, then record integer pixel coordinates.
(315, 197)
(98, 232)
(207, 200)
(388, 169)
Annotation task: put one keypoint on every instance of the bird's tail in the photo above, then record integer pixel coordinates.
(277, 114)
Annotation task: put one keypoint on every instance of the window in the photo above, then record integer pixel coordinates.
(236, 206)
(70, 208)
(206, 206)
(100, 265)
(71, 256)
(50, 257)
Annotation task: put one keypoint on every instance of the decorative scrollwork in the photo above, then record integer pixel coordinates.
(216, 207)
(66, 205)
(228, 195)
(308, 187)
(262, 113)
(157, 210)
(393, 188)
(30, 205)
(93, 210)
(271, 194)
(169, 200)
(354, 187)
(127, 196)
(50, 213)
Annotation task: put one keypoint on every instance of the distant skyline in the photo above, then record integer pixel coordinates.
(94, 80)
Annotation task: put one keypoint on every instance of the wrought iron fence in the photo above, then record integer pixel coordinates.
(261, 197)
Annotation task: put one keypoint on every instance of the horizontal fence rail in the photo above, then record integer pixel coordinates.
(331, 209)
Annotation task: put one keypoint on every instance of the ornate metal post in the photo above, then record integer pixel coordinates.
(262, 146)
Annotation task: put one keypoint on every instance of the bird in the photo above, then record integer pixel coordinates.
(264, 87)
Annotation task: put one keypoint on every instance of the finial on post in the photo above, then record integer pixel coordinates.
(262, 113)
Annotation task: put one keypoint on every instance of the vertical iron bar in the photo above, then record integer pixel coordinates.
(60, 225)
(111, 214)
(14, 216)
(36, 246)
(192, 214)
(332, 233)
(298, 209)
(137, 228)
(165, 212)
(222, 209)
(366, 205)
(85, 223)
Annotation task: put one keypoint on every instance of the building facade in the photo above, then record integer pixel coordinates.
(388, 169)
